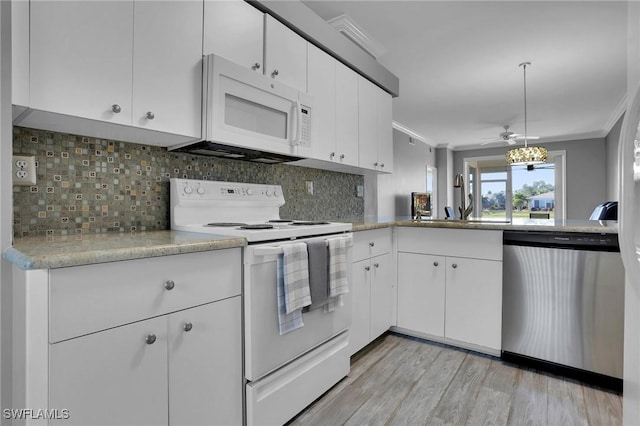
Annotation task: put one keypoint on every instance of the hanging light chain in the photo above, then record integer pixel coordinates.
(524, 66)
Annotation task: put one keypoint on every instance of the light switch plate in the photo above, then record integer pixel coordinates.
(24, 170)
(360, 191)
(309, 187)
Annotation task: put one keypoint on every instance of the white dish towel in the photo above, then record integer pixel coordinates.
(338, 281)
(292, 286)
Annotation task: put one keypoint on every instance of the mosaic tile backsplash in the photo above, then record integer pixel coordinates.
(91, 185)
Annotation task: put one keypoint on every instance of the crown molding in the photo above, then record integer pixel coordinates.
(358, 35)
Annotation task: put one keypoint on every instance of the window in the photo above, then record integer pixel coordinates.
(516, 192)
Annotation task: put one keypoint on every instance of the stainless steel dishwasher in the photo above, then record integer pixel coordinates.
(563, 304)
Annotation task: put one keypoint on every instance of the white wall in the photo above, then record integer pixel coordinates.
(6, 220)
(444, 163)
(612, 167)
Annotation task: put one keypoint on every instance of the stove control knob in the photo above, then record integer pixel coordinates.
(268, 193)
(249, 191)
(188, 189)
(200, 190)
(275, 193)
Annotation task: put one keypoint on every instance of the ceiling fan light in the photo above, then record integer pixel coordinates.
(526, 155)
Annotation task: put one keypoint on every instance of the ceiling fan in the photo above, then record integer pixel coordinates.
(532, 167)
(507, 136)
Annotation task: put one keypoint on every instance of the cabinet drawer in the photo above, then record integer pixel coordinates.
(85, 299)
(472, 243)
(371, 243)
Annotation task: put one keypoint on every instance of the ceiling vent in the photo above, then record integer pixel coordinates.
(350, 29)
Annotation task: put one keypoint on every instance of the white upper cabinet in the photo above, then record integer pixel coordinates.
(285, 55)
(234, 30)
(167, 66)
(321, 84)
(81, 57)
(136, 63)
(375, 131)
(346, 112)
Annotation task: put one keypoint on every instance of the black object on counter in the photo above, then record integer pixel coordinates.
(605, 211)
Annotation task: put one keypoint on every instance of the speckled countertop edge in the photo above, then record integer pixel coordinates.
(59, 252)
(455, 224)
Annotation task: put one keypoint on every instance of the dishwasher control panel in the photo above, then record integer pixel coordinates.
(570, 240)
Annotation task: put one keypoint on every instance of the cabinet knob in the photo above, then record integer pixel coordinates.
(116, 108)
(150, 115)
(275, 73)
(377, 265)
(454, 266)
(371, 244)
(256, 66)
(333, 154)
(187, 326)
(169, 285)
(342, 156)
(382, 165)
(367, 268)
(375, 164)
(435, 263)
(150, 339)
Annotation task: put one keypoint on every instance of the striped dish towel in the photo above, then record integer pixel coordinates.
(338, 282)
(286, 322)
(297, 294)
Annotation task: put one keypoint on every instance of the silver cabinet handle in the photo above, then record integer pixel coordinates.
(342, 156)
(435, 263)
(256, 66)
(375, 164)
(367, 268)
(377, 265)
(169, 285)
(150, 115)
(333, 154)
(116, 108)
(150, 339)
(371, 244)
(187, 326)
(382, 165)
(454, 266)
(275, 73)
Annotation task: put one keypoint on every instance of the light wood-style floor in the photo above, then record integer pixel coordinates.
(404, 381)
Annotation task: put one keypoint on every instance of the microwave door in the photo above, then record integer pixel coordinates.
(250, 116)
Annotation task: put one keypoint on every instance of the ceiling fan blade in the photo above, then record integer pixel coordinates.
(521, 137)
(511, 142)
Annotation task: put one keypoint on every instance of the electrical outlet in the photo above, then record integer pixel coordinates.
(309, 187)
(360, 191)
(24, 170)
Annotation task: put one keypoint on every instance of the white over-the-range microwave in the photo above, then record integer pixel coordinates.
(247, 115)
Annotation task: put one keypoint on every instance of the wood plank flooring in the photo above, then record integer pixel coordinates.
(405, 381)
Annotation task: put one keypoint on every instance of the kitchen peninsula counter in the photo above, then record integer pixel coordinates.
(63, 251)
(549, 225)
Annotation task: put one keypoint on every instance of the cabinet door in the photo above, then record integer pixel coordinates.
(361, 305)
(474, 301)
(167, 68)
(234, 30)
(346, 113)
(367, 124)
(81, 58)
(112, 377)
(381, 295)
(421, 293)
(205, 365)
(321, 84)
(285, 56)
(385, 131)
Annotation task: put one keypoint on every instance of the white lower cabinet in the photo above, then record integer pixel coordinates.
(372, 287)
(178, 362)
(449, 298)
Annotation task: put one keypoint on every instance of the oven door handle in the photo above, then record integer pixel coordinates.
(276, 250)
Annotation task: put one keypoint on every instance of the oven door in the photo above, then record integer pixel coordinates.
(247, 109)
(265, 349)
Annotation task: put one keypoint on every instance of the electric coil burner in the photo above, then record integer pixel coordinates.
(238, 209)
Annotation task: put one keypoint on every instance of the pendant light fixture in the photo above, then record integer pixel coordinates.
(527, 155)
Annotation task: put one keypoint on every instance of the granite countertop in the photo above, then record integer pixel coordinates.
(62, 251)
(591, 226)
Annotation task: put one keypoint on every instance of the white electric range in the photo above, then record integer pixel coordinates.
(283, 373)
(244, 210)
